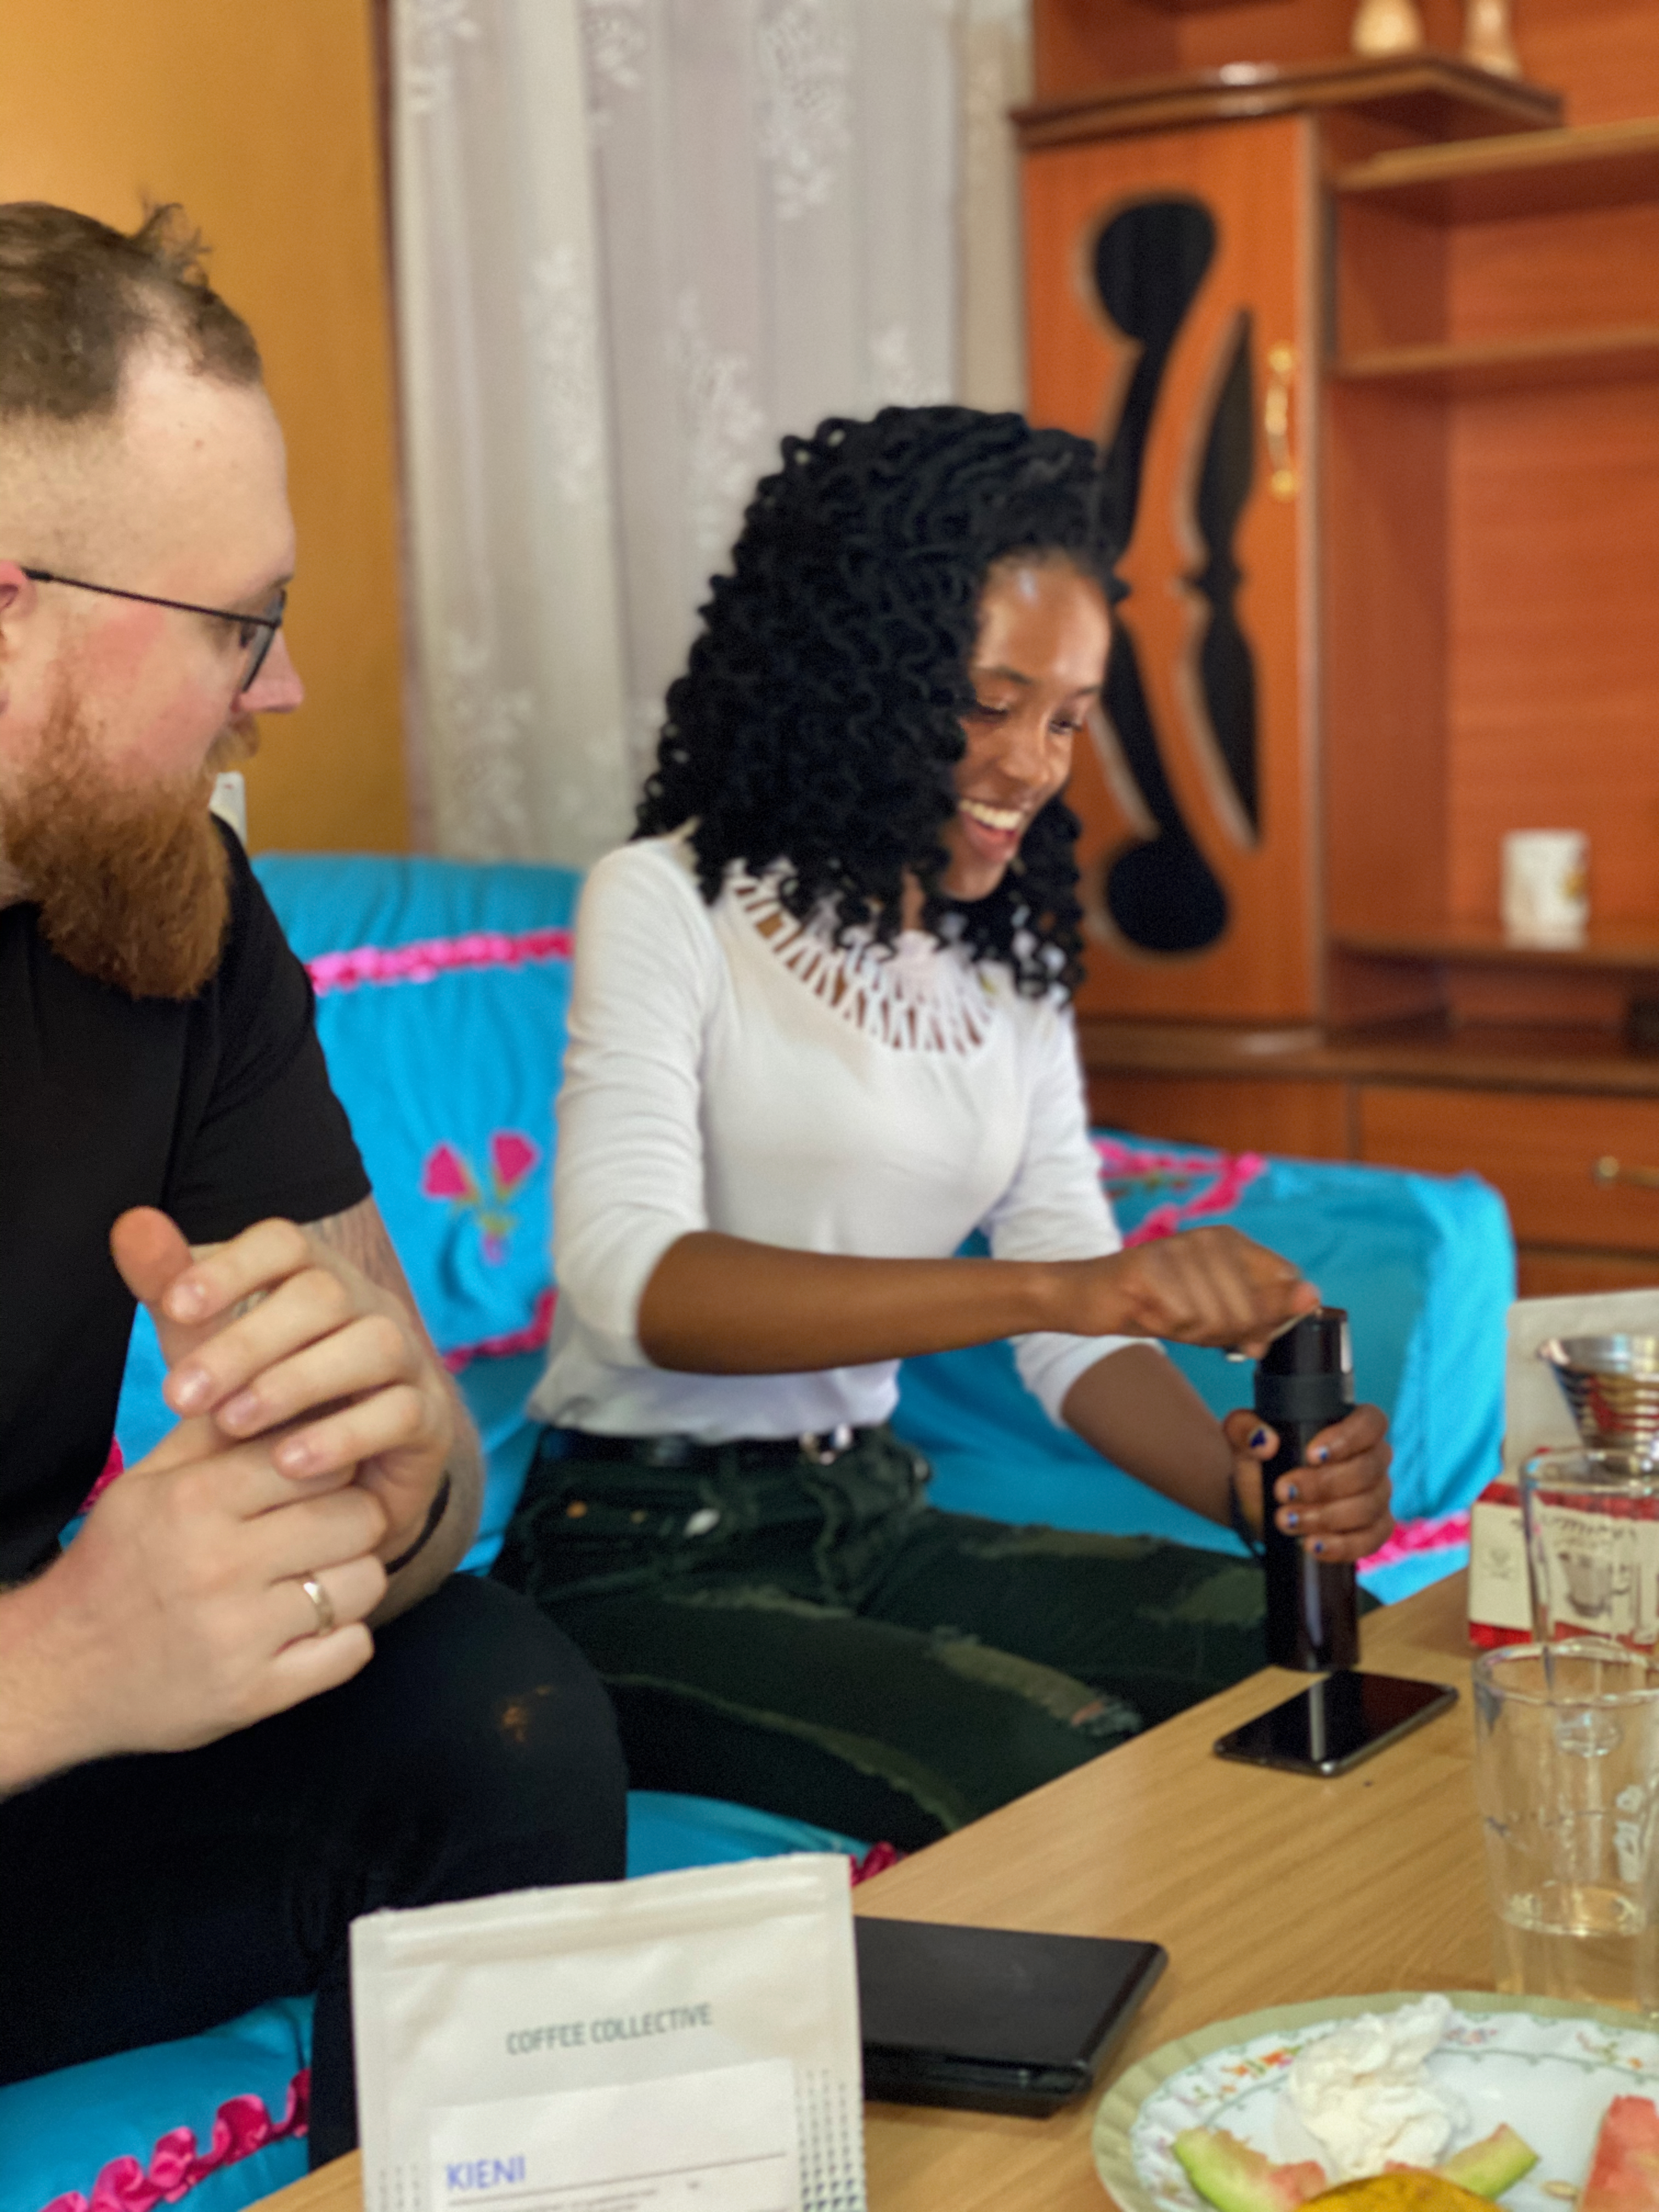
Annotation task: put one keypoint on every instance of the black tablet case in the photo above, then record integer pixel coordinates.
(991, 2017)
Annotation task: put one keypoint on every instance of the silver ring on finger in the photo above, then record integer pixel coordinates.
(324, 1605)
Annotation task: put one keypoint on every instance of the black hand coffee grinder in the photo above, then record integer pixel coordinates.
(1304, 1382)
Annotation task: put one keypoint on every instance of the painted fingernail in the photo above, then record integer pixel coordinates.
(185, 1301)
(1291, 1521)
(1258, 1439)
(1290, 1493)
(187, 1387)
(294, 1456)
(1318, 1546)
(242, 1411)
(1321, 1455)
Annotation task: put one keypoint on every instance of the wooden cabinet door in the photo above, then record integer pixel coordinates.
(1540, 1148)
(1166, 276)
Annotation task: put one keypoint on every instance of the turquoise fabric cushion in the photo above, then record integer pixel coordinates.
(666, 1831)
(441, 996)
(107, 2136)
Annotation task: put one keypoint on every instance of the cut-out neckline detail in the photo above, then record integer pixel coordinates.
(917, 996)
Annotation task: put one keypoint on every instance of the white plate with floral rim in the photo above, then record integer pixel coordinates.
(1547, 2068)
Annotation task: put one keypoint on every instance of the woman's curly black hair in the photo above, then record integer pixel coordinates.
(820, 715)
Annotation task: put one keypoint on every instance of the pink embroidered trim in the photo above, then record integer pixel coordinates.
(241, 2126)
(1439, 1533)
(420, 962)
(531, 1338)
(1232, 1172)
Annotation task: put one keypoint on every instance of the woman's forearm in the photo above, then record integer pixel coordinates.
(721, 1305)
(1139, 1410)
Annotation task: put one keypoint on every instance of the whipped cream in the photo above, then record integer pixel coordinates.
(1364, 2094)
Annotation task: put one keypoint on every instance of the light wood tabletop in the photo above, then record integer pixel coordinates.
(1265, 1888)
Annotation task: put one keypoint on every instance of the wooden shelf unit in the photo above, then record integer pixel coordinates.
(1500, 444)
(1472, 372)
(1444, 562)
(1424, 91)
(1620, 947)
(1603, 165)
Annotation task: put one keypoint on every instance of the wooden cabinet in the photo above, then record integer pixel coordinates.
(1386, 446)
(1313, 1121)
(1543, 1149)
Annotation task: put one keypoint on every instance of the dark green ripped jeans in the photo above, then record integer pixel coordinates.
(817, 1640)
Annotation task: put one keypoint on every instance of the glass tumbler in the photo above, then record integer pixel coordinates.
(1567, 1776)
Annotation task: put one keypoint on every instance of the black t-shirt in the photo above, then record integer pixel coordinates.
(217, 1109)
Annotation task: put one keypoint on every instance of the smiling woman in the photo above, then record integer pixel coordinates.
(820, 1032)
(1036, 669)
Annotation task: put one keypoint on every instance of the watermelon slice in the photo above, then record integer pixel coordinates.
(1236, 2179)
(1624, 2175)
(1491, 2166)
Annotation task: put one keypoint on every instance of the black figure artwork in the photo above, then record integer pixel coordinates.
(1150, 262)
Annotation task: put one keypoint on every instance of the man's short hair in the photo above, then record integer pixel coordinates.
(78, 300)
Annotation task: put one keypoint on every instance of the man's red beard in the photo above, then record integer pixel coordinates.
(132, 884)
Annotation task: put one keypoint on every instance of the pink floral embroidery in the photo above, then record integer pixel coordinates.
(448, 1175)
(429, 958)
(532, 1338)
(241, 2126)
(1125, 1169)
(1437, 1532)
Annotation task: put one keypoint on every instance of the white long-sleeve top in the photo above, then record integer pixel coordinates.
(728, 1069)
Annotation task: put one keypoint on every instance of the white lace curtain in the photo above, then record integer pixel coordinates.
(637, 240)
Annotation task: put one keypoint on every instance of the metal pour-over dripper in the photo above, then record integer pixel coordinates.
(1612, 1385)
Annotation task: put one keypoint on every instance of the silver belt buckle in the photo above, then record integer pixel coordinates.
(822, 1453)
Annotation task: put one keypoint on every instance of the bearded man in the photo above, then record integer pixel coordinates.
(248, 1700)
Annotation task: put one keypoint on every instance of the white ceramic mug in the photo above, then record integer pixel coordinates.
(1546, 886)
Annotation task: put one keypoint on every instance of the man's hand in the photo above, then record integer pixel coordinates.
(178, 1613)
(1337, 1505)
(277, 1335)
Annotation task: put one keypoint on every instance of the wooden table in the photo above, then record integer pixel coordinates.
(1266, 1888)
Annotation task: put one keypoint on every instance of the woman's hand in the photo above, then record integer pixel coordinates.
(1337, 1504)
(1203, 1286)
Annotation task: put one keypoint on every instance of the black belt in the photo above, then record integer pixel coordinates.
(757, 1452)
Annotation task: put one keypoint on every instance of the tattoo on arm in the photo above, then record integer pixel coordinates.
(360, 1236)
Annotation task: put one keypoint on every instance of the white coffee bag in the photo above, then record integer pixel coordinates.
(686, 2042)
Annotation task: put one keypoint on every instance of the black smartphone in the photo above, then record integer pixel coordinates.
(990, 2017)
(1336, 1722)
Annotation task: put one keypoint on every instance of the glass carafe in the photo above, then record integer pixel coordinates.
(1591, 1510)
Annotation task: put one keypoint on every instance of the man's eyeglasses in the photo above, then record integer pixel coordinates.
(256, 633)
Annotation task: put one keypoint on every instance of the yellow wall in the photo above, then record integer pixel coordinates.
(261, 119)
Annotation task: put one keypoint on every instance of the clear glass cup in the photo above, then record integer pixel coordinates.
(1567, 1777)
